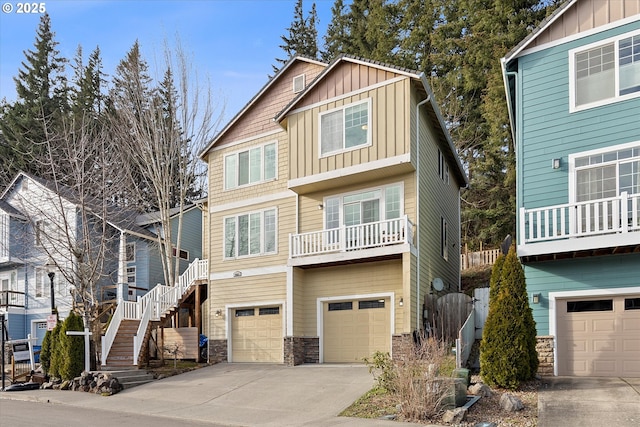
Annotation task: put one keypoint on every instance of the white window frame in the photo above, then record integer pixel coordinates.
(342, 108)
(42, 284)
(174, 251)
(444, 238)
(443, 167)
(262, 251)
(236, 154)
(572, 73)
(132, 251)
(299, 78)
(382, 198)
(131, 272)
(573, 169)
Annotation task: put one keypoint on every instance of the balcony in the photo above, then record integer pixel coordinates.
(353, 242)
(11, 299)
(595, 227)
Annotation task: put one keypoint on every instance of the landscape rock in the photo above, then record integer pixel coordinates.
(455, 416)
(510, 403)
(480, 389)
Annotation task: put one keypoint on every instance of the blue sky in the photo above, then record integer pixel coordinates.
(232, 43)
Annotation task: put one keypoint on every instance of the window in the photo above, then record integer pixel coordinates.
(183, 254)
(364, 207)
(4, 235)
(592, 305)
(376, 303)
(443, 167)
(131, 276)
(345, 128)
(339, 306)
(607, 173)
(39, 231)
(130, 252)
(250, 167)
(444, 247)
(42, 283)
(298, 83)
(250, 234)
(246, 312)
(605, 72)
(632, 303)
(264, 311)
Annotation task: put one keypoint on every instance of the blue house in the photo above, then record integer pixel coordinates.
(573, 92)
(40, 221)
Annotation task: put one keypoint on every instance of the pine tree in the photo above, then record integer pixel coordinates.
(303, 36)
(494, 281)
(336, 37)
(508, 349)
(45, 352)
(42, 92)
(57, 358)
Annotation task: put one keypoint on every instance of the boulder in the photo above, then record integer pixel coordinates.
(455, 416)
(510, 403)
(480, 389)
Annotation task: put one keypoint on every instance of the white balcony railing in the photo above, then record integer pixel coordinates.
(350, 238)
(610, 216)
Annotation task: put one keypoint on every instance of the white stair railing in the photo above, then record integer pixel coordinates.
(152, 306)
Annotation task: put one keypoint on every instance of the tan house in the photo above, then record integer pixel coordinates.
(333, 209)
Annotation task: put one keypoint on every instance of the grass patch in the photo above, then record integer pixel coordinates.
(375, 403)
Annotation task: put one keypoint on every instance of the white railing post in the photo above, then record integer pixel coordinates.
(624, 211)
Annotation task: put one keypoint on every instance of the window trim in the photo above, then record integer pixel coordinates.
(299, 77)
(182, 251)
(5, 224)
(574, 156)
(133, 251)
(131, 272)
(237, 153)
(262, 231)
(444, 238)
(369, 142)
(573, 108)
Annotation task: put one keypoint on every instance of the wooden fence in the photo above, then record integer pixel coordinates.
(476, 259)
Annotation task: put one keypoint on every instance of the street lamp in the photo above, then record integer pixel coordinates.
(50, 266)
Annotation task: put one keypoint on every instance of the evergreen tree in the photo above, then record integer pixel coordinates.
(417, 20)
(303, 36)
(508, 349)
(45, 352)
(336, 37)
(494, 281)
(56, 359)
(71, 347)
(42, 92)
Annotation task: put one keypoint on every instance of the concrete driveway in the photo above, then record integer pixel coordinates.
(239, 395)
(586, 402)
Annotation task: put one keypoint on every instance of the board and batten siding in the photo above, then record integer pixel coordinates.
(438, 199)
(547, 130)
(244, 291)
(388, 126)
(593, 273)
(586, 15)
(349, 280)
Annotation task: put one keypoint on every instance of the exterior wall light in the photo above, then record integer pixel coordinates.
(555, 163)
(536, 298)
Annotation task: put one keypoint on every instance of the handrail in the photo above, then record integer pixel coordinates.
(138, 338)
(112, 331)
(11, 299)
(466, 338)
(353, 237)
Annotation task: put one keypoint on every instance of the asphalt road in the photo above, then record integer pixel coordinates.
(18, 413)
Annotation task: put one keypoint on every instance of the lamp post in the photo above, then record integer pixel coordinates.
(51, 267)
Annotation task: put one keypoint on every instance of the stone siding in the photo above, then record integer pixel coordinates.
(401, 344)
(218, 351)
(544, 347)
(299, 350)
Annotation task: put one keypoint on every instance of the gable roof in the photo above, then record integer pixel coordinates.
(255, 98)
(434, 113)
(544, 24)
(11, 210)
(120, 218)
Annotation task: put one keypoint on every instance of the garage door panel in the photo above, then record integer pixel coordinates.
(599, 336)
(257, 336)
(351, 332)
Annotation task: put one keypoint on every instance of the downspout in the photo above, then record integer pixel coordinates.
(418, 306)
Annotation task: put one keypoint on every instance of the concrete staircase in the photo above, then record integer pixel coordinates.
(121, 354)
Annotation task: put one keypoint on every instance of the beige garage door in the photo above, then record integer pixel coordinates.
(257, 335)
(356, 329)
(599, 336)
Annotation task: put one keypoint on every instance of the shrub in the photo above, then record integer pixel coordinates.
(56, 358)
(72, 347)
(45, 352)
(508, 349)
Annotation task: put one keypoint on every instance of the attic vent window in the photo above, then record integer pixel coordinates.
(298, 83)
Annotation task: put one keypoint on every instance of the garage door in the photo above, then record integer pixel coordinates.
(355, 329)
(599, 336)
(257, 335)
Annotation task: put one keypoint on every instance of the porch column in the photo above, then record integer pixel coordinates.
(122, 266)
